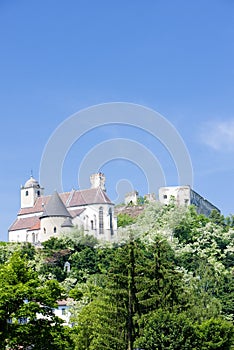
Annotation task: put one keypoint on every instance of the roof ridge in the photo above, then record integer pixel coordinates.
(71, 193)
(104, 195)
(85, 189)
(101, 191)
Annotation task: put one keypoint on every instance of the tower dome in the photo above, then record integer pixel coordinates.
(31, 183)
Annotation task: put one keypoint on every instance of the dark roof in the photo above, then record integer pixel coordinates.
(55, 207)
(67, 223)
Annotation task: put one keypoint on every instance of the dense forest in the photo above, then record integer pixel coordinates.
(167, 283)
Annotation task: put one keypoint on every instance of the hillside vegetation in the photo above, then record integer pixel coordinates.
(166, 283)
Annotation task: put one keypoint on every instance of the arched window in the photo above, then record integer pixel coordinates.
(38, 193)
(111, 221)
(26, 193)
(91, 223)
(101, 220)
(55, 229)
(44, 230)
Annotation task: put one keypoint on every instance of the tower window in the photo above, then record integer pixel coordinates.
(101, 220)
(165, 196)
(91, 222)
(26, 193)
(44, 230)
(38, 193)
(55, 229)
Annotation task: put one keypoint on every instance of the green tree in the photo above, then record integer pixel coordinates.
(159, 283)
(107, 319)
(216, 334)
(217, 218)
(139, 279)
(124, 219)
(163, 329)
(26, 309)
(99, 326)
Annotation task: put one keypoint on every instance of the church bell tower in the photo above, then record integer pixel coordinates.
(30, 192)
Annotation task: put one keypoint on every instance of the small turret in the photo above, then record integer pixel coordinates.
(98, 180)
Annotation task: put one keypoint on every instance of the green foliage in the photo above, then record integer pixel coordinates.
(217, 218)
(225, 294)
(159, 283)
(186, 228)
(84, 263)
(230, 221)
(139, 279)
(22, 299)
(163, 329)
(7, 249)
(140, 200)
(215, 334)
(177, 269)
(28, 251)
(167, 285)
(76, 248)
(123, 220)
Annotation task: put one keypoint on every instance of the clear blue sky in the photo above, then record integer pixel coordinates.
(176, 57)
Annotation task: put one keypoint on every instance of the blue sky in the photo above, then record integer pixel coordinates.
(176, 57)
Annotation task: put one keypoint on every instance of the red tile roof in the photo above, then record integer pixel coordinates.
(64, 301)
(90, 196)
(35, 227)
(71, 199)
(23, 223)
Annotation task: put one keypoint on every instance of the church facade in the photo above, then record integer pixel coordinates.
(41, 217)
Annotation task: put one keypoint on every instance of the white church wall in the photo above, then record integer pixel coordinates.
(17, 236)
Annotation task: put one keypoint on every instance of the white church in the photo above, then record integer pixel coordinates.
(41, 217)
